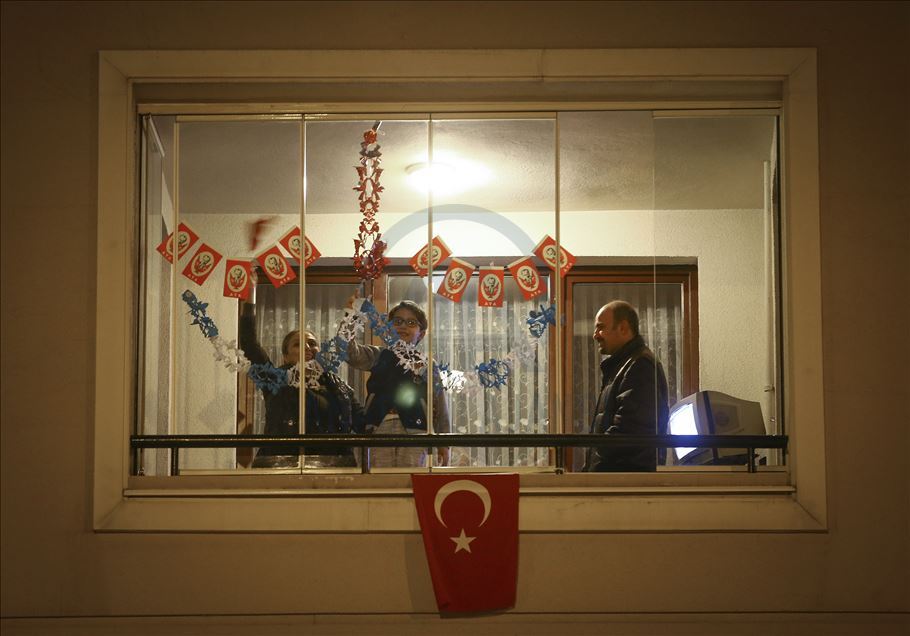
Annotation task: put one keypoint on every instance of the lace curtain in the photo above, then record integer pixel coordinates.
(463, 336)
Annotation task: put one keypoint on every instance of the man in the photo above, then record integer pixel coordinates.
(633, 396)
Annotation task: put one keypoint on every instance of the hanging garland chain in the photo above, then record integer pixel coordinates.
(368, 248)
(267, 377)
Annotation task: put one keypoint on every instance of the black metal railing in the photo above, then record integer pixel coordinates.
(560, 442)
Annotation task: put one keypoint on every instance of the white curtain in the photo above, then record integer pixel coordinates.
(465, 335)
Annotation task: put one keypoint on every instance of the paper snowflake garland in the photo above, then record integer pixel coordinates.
(268, 377)
(197, 309)
(409, 358)
(229, 354)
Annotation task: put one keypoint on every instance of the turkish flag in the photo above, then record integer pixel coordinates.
(470, 533)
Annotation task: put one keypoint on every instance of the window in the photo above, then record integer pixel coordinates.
(674, 193)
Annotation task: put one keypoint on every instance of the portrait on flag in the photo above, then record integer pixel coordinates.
(490, 289)
(202, 264)
(524, 272)
(545, 250)
(237, 279)
(434, 252)
(456, 280)
(276, 266)
(470, 533)
(186, 238)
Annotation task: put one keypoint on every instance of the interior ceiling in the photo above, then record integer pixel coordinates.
(608, 161)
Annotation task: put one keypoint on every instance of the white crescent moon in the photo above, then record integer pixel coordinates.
(469, 486)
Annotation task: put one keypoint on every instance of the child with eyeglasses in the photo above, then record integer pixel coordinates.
(396, 402)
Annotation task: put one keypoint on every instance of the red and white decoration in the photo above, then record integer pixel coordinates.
(526, 277)
(202, 264)
(276, 266)
(237, 279)
(456, 280)
(470, 534)
(292, 243)
(546, 251)
(439, 250)
(491, 287)
(186, 238)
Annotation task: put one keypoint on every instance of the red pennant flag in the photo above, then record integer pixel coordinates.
(546, 251)
(490, 290)
(186, 238)
(291, 242)
(276, 266)
(525, 274)
(202, 264)
(237, 279)
(311, 253)
(440, 253)
(456, 280)
(470, 533)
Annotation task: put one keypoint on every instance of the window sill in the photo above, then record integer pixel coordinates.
(708, 502)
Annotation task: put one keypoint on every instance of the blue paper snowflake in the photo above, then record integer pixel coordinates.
(332, 353)
(538, 320)
(268, 377)
(493, 373)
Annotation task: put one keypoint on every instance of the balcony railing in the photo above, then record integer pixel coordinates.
(560, 442)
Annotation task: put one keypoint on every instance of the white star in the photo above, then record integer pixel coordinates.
(462, 542)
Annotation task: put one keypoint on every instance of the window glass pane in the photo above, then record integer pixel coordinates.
(714, 182)
(493, 202)
(238, 188)
(607, 223)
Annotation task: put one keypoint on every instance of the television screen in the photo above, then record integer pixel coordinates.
(714, 413)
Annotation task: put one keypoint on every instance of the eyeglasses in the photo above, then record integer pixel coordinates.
(410, 322)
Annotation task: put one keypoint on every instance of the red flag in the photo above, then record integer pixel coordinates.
(237, 279)
(276, 266)
(546, 251)
(470, 533)
(527, 278)
(186, 238)
(490, 288)
(202, 264)
(440, 251)
(456, 280)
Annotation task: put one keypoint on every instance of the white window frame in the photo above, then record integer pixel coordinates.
(791, 501)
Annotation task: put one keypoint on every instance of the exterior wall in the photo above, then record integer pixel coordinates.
(55, 566)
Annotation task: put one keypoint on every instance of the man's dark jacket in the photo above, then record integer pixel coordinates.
(632, 401)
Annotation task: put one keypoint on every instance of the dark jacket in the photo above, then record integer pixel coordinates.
(392, 388)
(632, 401)
(330, 409)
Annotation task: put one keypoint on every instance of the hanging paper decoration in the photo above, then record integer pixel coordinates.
(310, 252)
(276, 266)
(525, 274)
(439, 250)
(456, 280)
(494, 373)
(546, 251)
(237, 278)
(202, 264)
(490, 290)
(368, 248)
(538, 320)
(291, 242)
(268, 377)
(186, 238)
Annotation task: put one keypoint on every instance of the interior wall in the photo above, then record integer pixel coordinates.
(54, 565)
